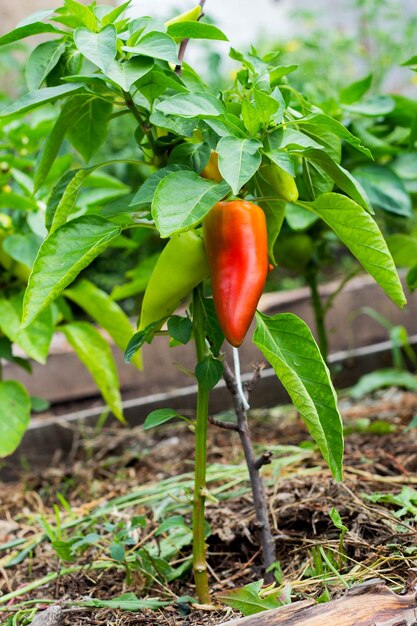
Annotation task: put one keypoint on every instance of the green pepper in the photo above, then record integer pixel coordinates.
(181, 266)
(281, 182)
(294, 250)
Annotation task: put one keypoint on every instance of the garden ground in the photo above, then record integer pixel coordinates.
(117, 486)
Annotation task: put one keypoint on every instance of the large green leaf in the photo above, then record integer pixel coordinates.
(191, 105)
(239, 160)
(27, 30)
(182, 199)
(84, 14)
(42, 60)
(195, 30)
(61, 258)
(286, 341)
(90, 129)
(103, 310)
(385, 189)
(70, 111)
(14, 415)
(326, 123)
(99, 48)
(157, 46)
(34, 99)
(274, 211)
(125, 74)
(343, 179)
(360, 233)
(94, 351)
(403, 249)
(36, 338)
(63, 197)
(144, 196)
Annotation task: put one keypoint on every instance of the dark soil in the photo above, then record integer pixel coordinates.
(381, 457)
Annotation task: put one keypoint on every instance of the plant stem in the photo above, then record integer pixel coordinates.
(319, 311)
(185, 42)
(200, 489)
(254, 465)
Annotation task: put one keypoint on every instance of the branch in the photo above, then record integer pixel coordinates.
(254, 465)
(184, 42)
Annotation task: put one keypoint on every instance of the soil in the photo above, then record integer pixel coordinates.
(107, 468)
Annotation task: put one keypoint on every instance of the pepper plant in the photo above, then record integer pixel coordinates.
(221, 169)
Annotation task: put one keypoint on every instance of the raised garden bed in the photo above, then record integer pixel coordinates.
(116, 474)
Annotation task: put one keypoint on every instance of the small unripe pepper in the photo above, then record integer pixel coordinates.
(181, 266)
(236, 241)
(281, 182)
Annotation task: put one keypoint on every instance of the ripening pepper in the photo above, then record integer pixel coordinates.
(281, 182)
(189, 16)
(236, 241)
(211, 171)
(181, 266)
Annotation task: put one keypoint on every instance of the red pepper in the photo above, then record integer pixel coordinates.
(236, 242)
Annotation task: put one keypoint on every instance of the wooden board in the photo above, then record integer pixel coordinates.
(369, 604)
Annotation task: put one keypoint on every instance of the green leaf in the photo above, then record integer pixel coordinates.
(145, 193)
(157, 46)
(171, 522)
(42, 60)
(94, 351)
(214, 333)
(61, 258)
(10, 200)
(21, 32)
(127, 73)
(99, 48)
(195, 30)
(251, 117)
(22, 248)
(287, 343)
(239, 159)
(180, 328)
(383, 378)
(126, 602)
(326, 123)
(103, 310)
(199, 105)
(385, 189)
(361, 234)
(14, 417)
(208, 372)
(83, 13)
(342, 178)
(113, 14)
(283, 159)
(402, 247)
(249, 599)
(63, 198)
(412, 278)
(192, 155)
(267, 106)
(90, 129)
(354, 92)
(182, 199)
(298, 218)
(140, 338)
(36, 338)
(274, 211)
(372, 107)
(158, 417)
(70, 111)
(34, 99)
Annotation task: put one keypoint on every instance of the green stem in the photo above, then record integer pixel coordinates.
(319, 311)
(200, 489)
